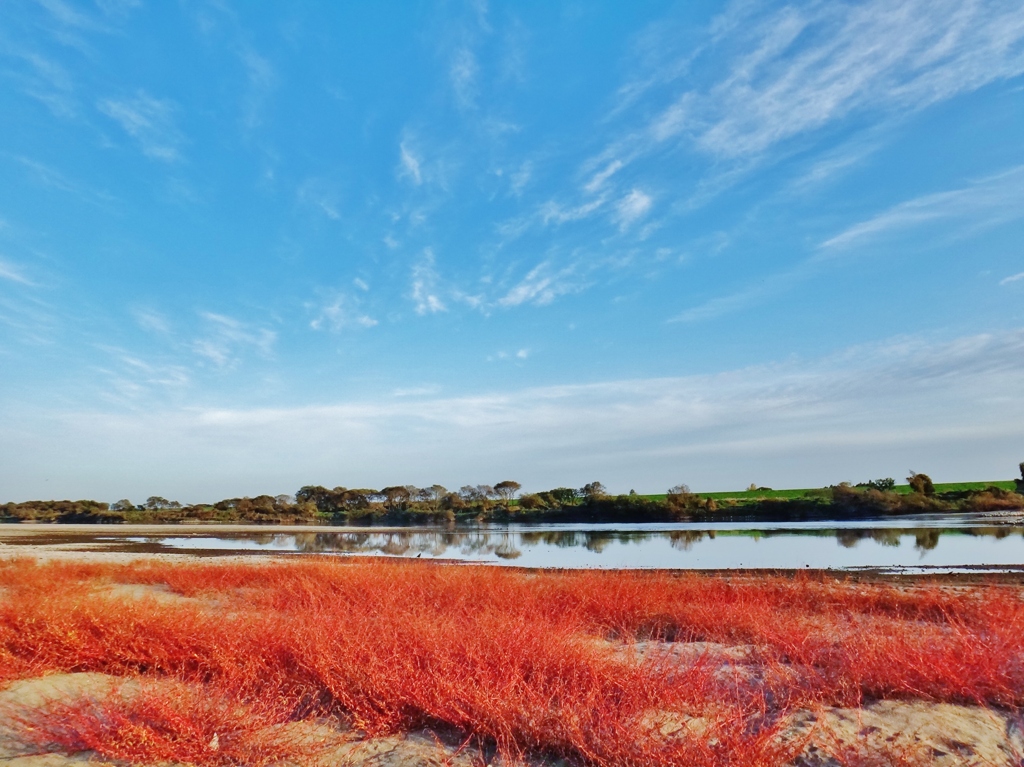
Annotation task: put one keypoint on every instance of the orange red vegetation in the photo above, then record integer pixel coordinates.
(581, 666)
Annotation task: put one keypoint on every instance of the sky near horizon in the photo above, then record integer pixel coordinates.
(245, 247)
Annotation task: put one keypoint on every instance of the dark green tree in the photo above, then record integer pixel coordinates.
(885, 485)
(532, 502)
(396, 498)
(564, 496)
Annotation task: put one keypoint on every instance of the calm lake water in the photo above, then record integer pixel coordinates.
(924, 543)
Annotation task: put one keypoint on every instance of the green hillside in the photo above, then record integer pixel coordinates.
(750, 495)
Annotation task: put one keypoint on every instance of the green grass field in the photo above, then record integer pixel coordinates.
(739, 495)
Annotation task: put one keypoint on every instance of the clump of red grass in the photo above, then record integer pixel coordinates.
(518, 661)
(167, 723)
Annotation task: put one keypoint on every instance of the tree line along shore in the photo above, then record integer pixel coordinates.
(503, 502)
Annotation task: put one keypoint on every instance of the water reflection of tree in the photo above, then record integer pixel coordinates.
(928, 539)
(997, 532)
(848, 538)
(506, 549)
(396, 544)
(684, 539)
(563, 539)
(887, 537)
(504, 544)
(477, 543)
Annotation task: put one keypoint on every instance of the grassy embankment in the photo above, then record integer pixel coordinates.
(222, 664)
(941, 488)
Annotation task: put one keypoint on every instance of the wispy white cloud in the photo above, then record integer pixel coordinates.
(9, 271)
(662, 53)
(476, 300)
(745, 297)
(416, 391)
(148, 120)
(133, 382)
(151, 320)
(226, 24)
(512, 66)
(227, 338)
(46, 81)
(424, 285)
(863, 412)
(262, 79)
(53, 178)
(319, 195)
(519, 355)
(340, 312)
(770, 78)
(986, 202)
(410, 164)
(1012, 278)
(463, 72)
(799, 68)
(118, 9)
(632, 207)
(542, 285)
(553, 212)
(520, 178)
(600, 178)
(67, 15)
(832, 164)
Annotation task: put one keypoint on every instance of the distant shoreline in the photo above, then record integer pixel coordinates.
(406, 506)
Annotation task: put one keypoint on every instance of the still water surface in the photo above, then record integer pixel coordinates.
(921, 543)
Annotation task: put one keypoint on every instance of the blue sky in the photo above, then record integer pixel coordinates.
(248, 248)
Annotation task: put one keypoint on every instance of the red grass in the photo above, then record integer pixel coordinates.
(167, 723)
(511, 659)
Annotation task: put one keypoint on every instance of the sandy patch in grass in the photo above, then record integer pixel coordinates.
(334, 746)
(940, 734)
(158, 592)
(58, 760)
(898, 732)
(26, 695)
